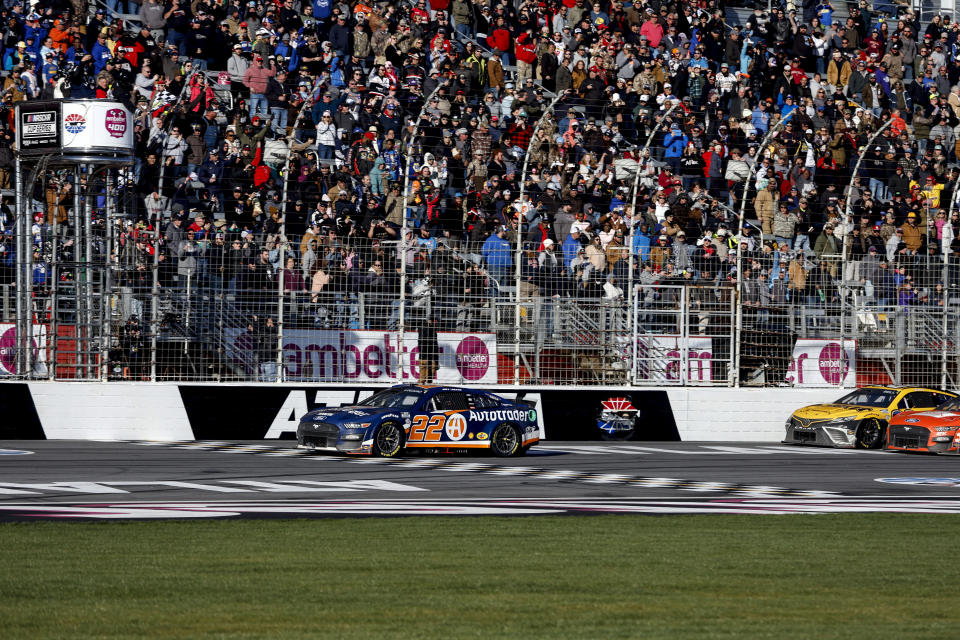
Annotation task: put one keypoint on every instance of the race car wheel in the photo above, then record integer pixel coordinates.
(388, 442)
(505, 441)
(870, 434)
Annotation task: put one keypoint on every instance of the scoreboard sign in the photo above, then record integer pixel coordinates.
(67, 127)
(38, 127)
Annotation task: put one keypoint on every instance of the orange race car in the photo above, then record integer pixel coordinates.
(932, 431)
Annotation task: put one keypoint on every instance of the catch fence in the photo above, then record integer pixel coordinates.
(343, 321)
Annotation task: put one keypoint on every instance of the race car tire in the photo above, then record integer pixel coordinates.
(870, 434)
(388, 441)
(505, 441)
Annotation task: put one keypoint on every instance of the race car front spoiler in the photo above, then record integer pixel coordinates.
(821, 436)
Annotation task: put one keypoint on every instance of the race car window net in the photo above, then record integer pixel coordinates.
(449, 401)
(917, 399)
(484, 401)
(953, 404)
(869, 397)
(394, 399)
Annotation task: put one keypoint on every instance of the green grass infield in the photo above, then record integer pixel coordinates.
(825, 576)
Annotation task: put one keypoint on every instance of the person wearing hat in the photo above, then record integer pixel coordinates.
(237, 65)
(884, 283)
(838, 70)
(869, 268)
(674, 144)
(256, 79)
(912, 233)
(660, 253)
(101, 51)
(497, 252)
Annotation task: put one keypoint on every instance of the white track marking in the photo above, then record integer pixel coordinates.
(500, 506)
(637, 449)
(739, 450)
(606, 478)
(584, 450)
(708, 486)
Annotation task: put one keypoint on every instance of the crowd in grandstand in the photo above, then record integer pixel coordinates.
(455, 107)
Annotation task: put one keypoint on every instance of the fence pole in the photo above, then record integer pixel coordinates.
(738, 329)
(636, 219)
(848, 209)
(945, 256)
(154, 296)
(519, 255)
(402, 244)
(280, 304)
(22, 231)
(106, 298)
(183, 93)
(286, 165)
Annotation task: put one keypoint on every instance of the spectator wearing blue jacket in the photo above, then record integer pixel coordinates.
(641, 242)
(498, 254)
(15, 56)
(101, 53)
(34, 30)
(321, 9)
(32, 51)
(787, 105)
(674, 143)
(50, 69)
(761, 118)
(571, 244)
(75, 54)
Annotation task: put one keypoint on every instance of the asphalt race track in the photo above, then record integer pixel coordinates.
(147, 480)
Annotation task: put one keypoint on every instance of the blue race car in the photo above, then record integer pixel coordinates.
(423, 417)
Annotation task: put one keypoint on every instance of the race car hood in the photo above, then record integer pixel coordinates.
(340, 415)
(831, 411)
(928, 418)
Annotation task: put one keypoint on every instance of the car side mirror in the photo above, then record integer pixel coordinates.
(895, 412)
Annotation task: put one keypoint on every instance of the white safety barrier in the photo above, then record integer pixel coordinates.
(93, 411)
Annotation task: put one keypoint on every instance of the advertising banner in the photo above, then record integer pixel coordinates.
(74, 126)
(97, 125)
(375, 356)
(38, 127)
(823, 363)
(675, 359)
(8, 350)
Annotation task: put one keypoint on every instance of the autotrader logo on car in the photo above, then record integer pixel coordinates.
(503, 414)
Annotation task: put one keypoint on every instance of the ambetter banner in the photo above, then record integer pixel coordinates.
(8, 350)
(675, 359)
(377, 356)
(823, 363)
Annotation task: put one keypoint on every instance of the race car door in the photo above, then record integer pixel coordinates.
(443, 422)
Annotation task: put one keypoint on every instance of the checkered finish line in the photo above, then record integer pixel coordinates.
(558, 475)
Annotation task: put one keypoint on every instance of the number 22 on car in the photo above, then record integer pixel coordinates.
(431, 428)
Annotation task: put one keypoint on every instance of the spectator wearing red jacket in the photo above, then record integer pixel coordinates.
(499, 40)
(526, 51)
(520, 133)
(438, 5)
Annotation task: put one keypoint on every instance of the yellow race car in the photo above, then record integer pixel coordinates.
(859, 419)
